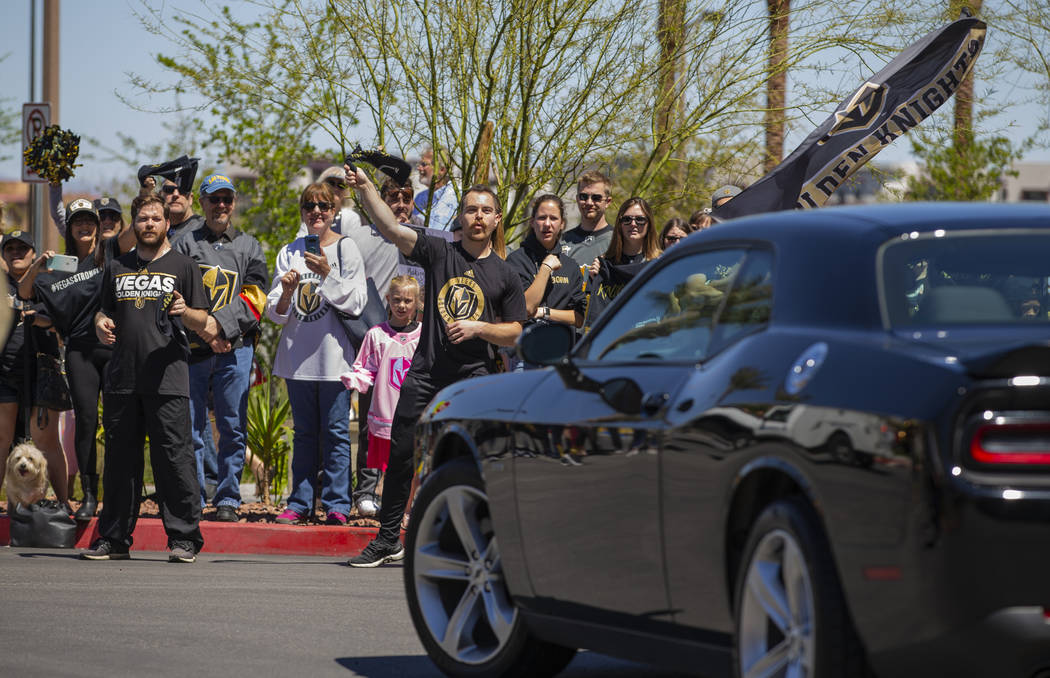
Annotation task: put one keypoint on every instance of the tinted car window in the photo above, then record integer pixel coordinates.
(750, 301)
(670, 316)
(966, 278)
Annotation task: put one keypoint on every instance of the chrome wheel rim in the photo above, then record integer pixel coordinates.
(777, 630)
(458, 577)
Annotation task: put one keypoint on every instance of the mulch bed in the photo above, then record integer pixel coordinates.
(255, 512)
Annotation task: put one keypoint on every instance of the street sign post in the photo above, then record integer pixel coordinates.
(35, 117)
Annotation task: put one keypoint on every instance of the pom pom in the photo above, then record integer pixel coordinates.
(53, 154)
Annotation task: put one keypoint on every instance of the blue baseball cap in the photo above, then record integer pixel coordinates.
(216, 182)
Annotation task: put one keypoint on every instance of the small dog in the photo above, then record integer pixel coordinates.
(26, 475)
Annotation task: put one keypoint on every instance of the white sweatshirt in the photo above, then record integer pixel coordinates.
(313, 343)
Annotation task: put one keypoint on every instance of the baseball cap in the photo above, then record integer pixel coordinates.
(109, 204)
(727, 191)
(79, 206)
(22, 236)
(216, 182)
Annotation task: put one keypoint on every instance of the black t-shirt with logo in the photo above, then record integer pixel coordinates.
(72, 299)
(460, 287)
(564, 289)
(148, 357)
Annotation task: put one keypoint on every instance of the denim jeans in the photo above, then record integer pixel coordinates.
(230, 377)
(321, 413)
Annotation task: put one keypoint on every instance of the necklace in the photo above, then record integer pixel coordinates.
(141, 265)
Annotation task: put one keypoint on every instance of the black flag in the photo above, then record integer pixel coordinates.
(900, 96)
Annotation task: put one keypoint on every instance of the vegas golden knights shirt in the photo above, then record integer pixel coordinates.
(148, 357)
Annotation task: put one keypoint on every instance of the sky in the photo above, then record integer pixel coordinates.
(103, 42)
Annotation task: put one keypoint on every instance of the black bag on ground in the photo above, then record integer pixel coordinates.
(373, 314)
(44, 525)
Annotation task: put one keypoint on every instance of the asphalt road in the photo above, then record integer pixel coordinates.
(223, 616)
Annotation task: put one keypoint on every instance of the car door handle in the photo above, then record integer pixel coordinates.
(652, 402)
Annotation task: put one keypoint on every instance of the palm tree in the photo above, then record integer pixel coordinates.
(776, 85)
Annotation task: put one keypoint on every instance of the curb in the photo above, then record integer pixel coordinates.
(243, 538)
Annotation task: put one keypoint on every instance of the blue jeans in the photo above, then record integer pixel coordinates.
(230, 377)
(321, 440)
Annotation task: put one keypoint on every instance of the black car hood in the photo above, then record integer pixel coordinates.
(992, 352)
(495, 397)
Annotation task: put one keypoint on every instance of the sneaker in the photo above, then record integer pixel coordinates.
(289, 517)
(335, 518)
(377, 553)
(366, 507)
(104, 549)
(226, 514)
(182, 552)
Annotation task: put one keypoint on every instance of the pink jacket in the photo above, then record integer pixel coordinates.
(383, 360)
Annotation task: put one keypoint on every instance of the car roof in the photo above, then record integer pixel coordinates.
(825, 270)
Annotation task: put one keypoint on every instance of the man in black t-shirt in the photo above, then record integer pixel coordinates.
(473, 303)
(147, 295)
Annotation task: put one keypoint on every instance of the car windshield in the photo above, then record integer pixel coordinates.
(966, 278)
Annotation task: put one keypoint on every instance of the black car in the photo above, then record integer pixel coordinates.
(801, 444)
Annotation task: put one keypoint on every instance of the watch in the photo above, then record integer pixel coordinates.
(546, 311)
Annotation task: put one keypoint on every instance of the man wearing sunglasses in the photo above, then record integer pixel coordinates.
(591, 238)
(347, 220)
(235, 276)
(180, 206)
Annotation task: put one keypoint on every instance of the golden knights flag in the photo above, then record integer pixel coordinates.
(900, 96)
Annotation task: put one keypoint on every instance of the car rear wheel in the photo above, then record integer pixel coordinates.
(457, 596)
(791, 617)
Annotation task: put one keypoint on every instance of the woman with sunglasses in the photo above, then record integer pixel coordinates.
(634, 243)
(346, 218)
(317, 276)
(674, 230)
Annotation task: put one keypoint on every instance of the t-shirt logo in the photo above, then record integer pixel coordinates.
(398, 370)
(309, 305)
(221, 285)
(460, 299)
(143, 286)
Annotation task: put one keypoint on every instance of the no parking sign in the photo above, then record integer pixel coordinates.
(35, 117)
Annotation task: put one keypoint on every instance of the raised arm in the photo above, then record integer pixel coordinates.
(379, 212)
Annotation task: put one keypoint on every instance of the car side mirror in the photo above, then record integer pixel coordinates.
(622, 394)
(545, 343)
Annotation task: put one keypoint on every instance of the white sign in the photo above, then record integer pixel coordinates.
(35, 117)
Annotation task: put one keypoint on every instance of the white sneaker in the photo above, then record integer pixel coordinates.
(367, 507)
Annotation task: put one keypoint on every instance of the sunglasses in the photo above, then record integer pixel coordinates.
(336, 183)
(627, 219)
(401, 196)
(224, 199)
(168, 190)
(309, 206)
(672, 238)
(590, 197)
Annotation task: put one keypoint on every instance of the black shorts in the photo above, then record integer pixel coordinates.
(8, 393)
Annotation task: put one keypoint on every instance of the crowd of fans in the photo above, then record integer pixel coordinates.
(160, 319)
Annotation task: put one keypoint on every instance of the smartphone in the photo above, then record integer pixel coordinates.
(62, 262)
(313, 243)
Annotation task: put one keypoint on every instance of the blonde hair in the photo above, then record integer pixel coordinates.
(405, 281)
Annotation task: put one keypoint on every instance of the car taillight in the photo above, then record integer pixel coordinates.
(1002, 442)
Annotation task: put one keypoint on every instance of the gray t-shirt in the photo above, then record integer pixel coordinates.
(583, 246)
(380, 256)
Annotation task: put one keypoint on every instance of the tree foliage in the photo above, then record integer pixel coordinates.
(960, 166)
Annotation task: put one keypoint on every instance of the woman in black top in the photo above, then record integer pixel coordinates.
(634, 243)
(71, 300)
(551, 281)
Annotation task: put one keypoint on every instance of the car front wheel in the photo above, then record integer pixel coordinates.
(457, 596)
(791, 617)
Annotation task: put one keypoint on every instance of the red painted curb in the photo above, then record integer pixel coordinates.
(245, 538)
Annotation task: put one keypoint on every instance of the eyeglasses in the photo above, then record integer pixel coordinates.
(590, 197)
(628, 219)
(323, 206)
(224, 199)
(336, 183)
(168, 189)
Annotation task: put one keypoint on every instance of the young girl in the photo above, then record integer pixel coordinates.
(383, 361)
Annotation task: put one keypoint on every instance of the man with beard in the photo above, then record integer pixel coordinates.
(147, 295)
(474, 303)
(438, 198)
